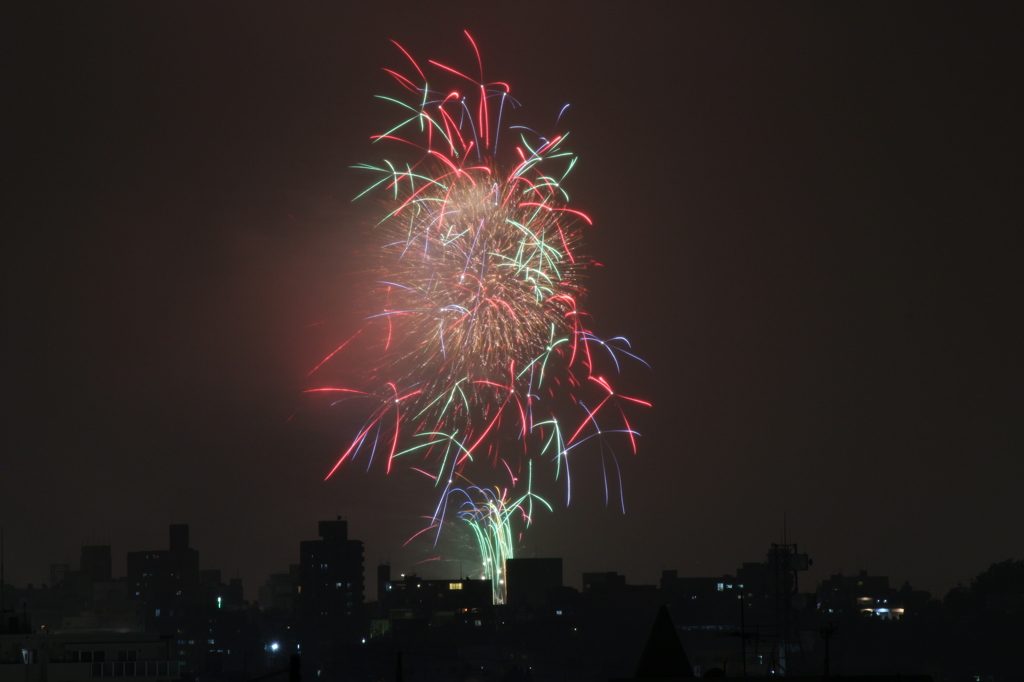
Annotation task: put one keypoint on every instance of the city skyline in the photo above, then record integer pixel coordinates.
(808, 224)
(118, 565)
(761, 620)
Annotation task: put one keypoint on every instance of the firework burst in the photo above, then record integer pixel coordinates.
(481, 354)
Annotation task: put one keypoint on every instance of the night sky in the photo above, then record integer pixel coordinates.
(809, 218)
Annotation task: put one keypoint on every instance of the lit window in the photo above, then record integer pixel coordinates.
(721, 586)
(454, 586)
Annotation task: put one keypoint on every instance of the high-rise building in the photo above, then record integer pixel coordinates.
(166, 581)
(331, 580)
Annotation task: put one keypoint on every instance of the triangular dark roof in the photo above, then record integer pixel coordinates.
(663, 655)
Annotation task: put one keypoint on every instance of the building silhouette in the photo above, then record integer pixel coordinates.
(166, 582)
(412, 604)
(532, 583)
(331, 577)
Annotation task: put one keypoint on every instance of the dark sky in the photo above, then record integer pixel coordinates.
(809, 217)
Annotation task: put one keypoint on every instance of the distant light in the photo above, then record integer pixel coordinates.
(275, 646)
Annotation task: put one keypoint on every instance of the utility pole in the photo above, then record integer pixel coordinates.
(743, 631)
(827, 632)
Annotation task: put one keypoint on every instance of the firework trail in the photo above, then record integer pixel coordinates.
(482, 359)
(490, 514)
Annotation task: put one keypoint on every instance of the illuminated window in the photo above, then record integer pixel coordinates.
(454, 586)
